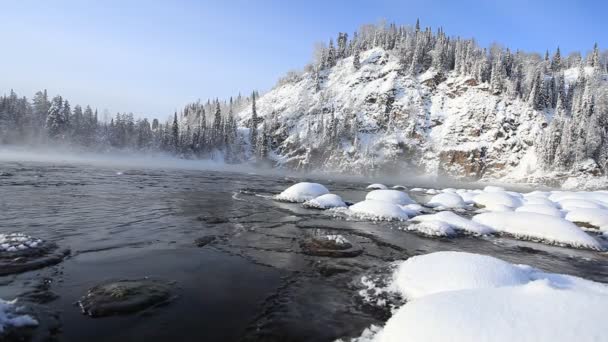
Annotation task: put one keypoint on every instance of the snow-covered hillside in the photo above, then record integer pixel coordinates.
(433, 123)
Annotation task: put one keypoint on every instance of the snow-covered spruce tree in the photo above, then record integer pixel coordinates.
(357, 58)
(175, 134)
(55, 124)
(253, 126)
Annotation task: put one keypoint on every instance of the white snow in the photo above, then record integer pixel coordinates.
(538, 227)
(491, 188)
(450, 271)
(392, 196)
(498, 198)
(337, 238)
(11, 317)
(593, 216)
(377, 186)
(431, 228)
(378, 211)
(447, 200)
(325, 202)
(571, 204)
(464, 297)
(13, 242)
(540, 209)
(456, 222)
(539, 200)
(302, 192)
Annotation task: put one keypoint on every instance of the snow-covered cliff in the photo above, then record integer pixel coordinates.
(380, 118)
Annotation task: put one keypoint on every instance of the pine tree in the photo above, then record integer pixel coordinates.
(556, 62)
(253, 125)
(217, 129)
(55, 124)
(175, 134)
(331, 54)
(357, 58)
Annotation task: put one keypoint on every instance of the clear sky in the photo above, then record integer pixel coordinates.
(151, 57)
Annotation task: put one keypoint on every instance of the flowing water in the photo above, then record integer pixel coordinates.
(231, 253)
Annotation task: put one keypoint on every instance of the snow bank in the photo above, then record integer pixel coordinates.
(10, 316)
(325, 202)
(456, 222)
(377, 186)
(498, 198)
(538, 227)
(591, 216)
(540, 209)
(302, 192)
(540, 200)
(447, 200)
(392, 196)
(378, 211)
(464, 297)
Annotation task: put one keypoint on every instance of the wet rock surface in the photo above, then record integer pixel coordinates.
(124, 297)
(21, 253)
(333, 246)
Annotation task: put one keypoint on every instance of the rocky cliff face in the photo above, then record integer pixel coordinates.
(379, 118)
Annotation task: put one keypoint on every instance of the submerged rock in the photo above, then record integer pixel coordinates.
(334, 246)
(204, 240)
(124, 297)
(21, 253)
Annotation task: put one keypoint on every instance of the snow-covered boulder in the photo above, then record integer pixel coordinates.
(492, 188)
(464, 297)
(571, 204)
(493, 199)
(540, 209)
(392, 196)
(537, 311)
(540, 200)
(326, 201)
(431, 228)
(10, 316)
(427, 274)
(447, 200)
(538, 227)
(302, 192)
(456, 222)
(590, 216)
(378, 211)
(377, 186)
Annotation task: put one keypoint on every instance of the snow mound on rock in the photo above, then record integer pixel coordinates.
(463, 297)
(493, 199)
(540, 209)
(14, 242)
(456, 222)
(325, 202)
(571, 204)
(450, 271)
(11, 317)
(302, 192)
(447, 200)
(592, 216)
(378, 211)
(537, 311)
(539, 200)
(391, 196)
(538, 227)
(377, 186)
(431, 228)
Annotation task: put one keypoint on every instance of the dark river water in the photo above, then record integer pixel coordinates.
(251, 282)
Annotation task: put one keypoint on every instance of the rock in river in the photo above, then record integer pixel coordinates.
(124, 297)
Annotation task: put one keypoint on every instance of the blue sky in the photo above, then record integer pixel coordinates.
(152, 57)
